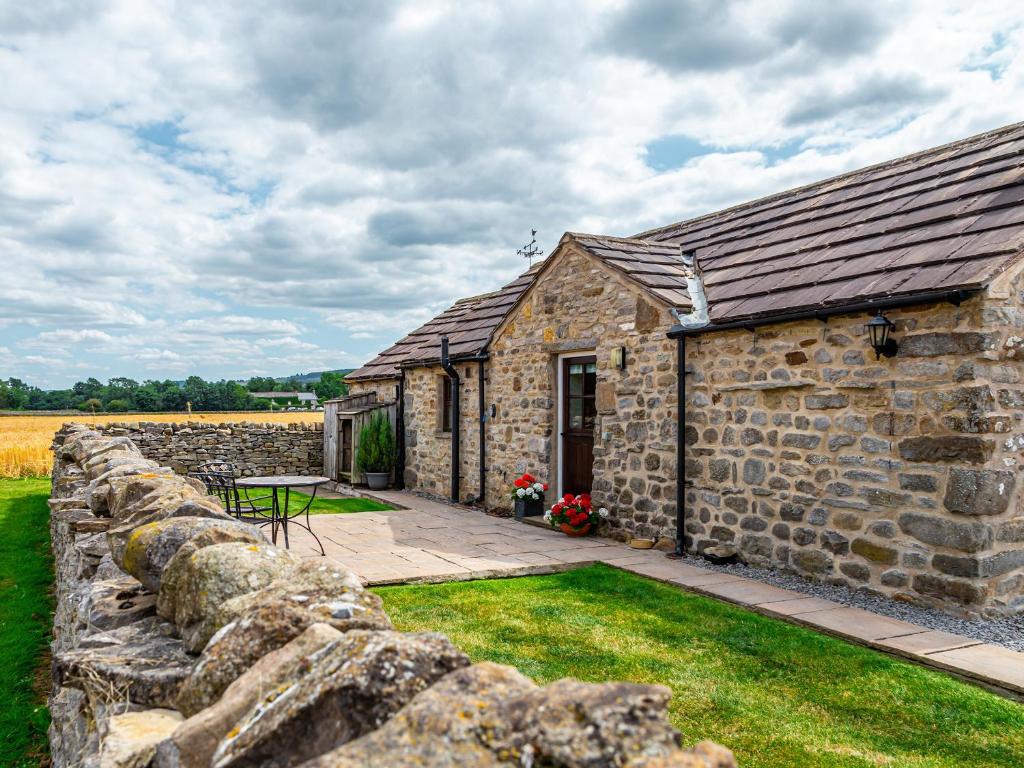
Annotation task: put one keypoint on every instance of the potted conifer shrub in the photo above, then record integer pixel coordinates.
(375, 456)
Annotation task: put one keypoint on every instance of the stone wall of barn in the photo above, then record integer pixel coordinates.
(579, 306)
(428, 450)
(899, 475)
(255, 448)
(896, 475)
(385, 388)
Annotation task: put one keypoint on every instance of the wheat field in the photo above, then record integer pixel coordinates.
(25, 440)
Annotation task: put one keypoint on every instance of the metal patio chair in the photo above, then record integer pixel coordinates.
(219, 479)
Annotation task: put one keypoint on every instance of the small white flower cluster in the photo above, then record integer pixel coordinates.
(534, 493)
(603, 512)
(547, 516)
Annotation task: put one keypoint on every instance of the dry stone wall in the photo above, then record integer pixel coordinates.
(182, 639)
(255, 448)
(899, 475)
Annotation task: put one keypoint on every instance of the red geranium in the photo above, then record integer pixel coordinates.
(526, 488)
(575, 511)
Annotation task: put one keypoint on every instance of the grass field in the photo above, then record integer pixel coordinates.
(25, 440)
(776, 694)
(26, 576)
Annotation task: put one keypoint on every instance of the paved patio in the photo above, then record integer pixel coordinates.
(429, 541)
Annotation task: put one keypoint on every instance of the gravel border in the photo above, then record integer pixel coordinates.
(1006, 631)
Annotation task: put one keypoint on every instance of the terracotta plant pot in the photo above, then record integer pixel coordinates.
(568, 530)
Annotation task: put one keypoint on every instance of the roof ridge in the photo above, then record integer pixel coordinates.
(630, 240)
(830, 180)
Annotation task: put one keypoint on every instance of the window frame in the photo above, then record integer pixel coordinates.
(444, 405)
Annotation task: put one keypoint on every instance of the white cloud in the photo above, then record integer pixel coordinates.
(276, 186)
(239, 325)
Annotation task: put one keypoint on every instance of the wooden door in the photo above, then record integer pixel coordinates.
(346, 449)
(579, 413)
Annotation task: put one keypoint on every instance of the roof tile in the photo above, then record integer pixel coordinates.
(945, 219)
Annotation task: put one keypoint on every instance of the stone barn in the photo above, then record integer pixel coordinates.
(809, 442)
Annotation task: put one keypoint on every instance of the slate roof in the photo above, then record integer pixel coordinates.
(469, 325)
(949, 218)
(943, 219)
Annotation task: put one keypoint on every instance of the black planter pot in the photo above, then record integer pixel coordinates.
(528, 508)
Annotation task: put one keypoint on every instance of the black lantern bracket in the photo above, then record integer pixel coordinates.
(879, 329)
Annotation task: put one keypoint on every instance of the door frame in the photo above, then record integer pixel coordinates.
(560, 409)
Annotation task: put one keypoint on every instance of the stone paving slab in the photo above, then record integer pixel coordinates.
(859, 624)
(748, 592)
(992, 664)
(797, 605)
(930, 641)
(426, 541)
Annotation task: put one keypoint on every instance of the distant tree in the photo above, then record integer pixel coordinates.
(198, 393)
(52, 400)
(330, 386)
(172, 396)
(118, 406)
(91, 405)
(261, 384)
(120, 388)
(292, 385)
(13, 395)
(231, 396)
(88, 389)
(147, 397)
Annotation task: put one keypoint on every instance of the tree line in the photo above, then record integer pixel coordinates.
(122, 394)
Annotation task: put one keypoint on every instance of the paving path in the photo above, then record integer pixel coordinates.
(427, 541)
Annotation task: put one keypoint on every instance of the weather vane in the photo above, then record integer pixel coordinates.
(530, 249)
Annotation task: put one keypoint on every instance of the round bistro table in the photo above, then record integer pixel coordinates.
(279, 514)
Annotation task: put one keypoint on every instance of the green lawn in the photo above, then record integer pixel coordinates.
(777, 694)
(322, 506)
(26, 613)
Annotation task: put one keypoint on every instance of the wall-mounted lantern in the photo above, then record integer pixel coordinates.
(879, 327)
(619, 358)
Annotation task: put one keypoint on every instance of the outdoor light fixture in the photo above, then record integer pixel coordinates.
(879, 327)
(619, 358)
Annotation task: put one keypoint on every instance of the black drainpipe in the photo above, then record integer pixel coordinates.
(400, 432)
(453, 376)
(680, 444)
(481, 400)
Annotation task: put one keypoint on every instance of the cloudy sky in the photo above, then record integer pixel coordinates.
(269, 187)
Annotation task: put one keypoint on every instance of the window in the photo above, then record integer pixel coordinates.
(580, 395)
(445, 400)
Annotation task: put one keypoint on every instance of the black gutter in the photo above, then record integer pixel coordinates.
(820, 313)
(483, 421)
(453, 376)
(400, 432)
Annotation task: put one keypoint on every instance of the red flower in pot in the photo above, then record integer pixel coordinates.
(574, 515)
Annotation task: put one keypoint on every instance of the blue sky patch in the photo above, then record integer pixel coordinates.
(671, 152)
